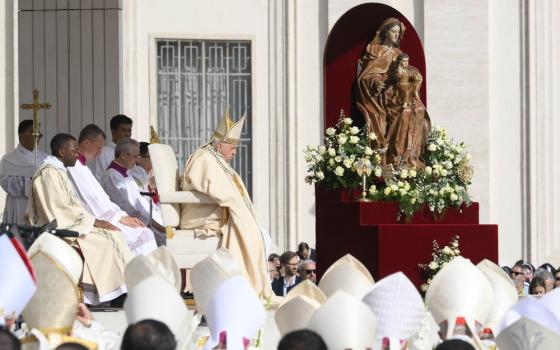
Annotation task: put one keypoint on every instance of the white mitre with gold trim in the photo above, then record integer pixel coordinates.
(61, 251)
(347, 274)
(308, 289)
(345, 322)
(227, 131)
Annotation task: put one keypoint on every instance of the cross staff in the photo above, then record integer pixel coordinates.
(35, 106)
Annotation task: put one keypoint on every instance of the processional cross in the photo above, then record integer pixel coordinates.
(35, 106)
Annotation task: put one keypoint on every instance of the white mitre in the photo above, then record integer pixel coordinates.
(552, 301)
(526, 334)
(532, 309)
(505, 293)
(154, 298)
(345, 322)
(295, 314)
(61, 251)
(207, 275)
(51, 313)
(234, 308)
(347, 274)
(160, 262)
(308, 289)
(17, 279)
(227, 131)
(399, 309)
(459, 289)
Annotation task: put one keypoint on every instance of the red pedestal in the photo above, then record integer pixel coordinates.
(371, 232)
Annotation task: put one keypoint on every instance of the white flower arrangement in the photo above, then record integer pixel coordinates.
(440, 257)
(334, 163)
(441, 184)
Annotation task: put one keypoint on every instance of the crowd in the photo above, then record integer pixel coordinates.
(533, 281)
(289, 269)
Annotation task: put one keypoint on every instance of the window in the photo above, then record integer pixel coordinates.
(196, 81)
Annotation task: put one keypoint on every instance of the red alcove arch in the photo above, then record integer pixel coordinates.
(347, 39)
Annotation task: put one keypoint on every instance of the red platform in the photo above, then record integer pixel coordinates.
(370, 232)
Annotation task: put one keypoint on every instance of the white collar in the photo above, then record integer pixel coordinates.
(23, 150)
(52, 160)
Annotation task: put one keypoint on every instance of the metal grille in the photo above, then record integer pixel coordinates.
(196, 81)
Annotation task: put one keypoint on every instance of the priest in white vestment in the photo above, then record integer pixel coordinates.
(121, 127)
(16, 171)
(104, 250)
(142, 173)
(233, 216)
(123, 189)
(139, 238)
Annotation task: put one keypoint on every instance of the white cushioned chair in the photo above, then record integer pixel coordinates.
(187, 247)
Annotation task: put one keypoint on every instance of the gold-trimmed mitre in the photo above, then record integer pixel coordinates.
(227, 131)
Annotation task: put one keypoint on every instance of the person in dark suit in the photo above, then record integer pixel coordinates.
(284, 284)
(306, 253)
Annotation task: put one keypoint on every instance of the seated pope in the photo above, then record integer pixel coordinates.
(232, 218)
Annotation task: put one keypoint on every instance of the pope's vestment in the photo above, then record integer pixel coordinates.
(104, 251)
(232, 217)
(97, 202)
(16, 171)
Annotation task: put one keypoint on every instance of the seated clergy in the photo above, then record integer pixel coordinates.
(142, 172)
(121, 127)
(16, 171)
(233, 216)
(139, 238)
(123, 190)
(103, 249)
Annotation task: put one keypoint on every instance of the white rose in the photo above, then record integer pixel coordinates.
(394, 187)
(448, 165)
(320, 175)
(377, 158)
(404, 174)
(443, 172)
(455, 244)
(433, 265)
(372, 189)
(331, 161)
(387, 190)
(322, 149)
(372, 136)
(354, 139)
(332, 152)
(412, 173)
(338, 159)
(347, 162)
(308, 159)
(453, 197)
(347, 121)
(339, 171)
(407, 186)
(354, 130)
(402, 191)
(447, 250)
(368, 151)
(330, 131)
(342, 138)
(424, 287)
(309, 148)
(440, 142)
(378, 172)
(319, 158)
(309, 180)
(432, 147)
(412, 200)
(400, 184)
(428, 170)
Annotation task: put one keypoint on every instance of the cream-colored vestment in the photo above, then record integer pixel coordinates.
(105, 251)
(233, 215)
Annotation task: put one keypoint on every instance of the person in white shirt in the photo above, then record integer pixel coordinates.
(16, 171)
(121, 127)
(139, 238)
(123, 189)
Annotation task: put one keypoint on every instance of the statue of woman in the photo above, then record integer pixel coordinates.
(372, 92)
(387, 96)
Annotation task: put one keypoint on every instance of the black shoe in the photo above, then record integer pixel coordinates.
(187, 295)
(118, 302)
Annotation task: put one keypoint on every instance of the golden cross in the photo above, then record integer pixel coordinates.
(35, 106)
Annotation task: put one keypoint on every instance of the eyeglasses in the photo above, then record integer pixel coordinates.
(310, 271)
(515, 273)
